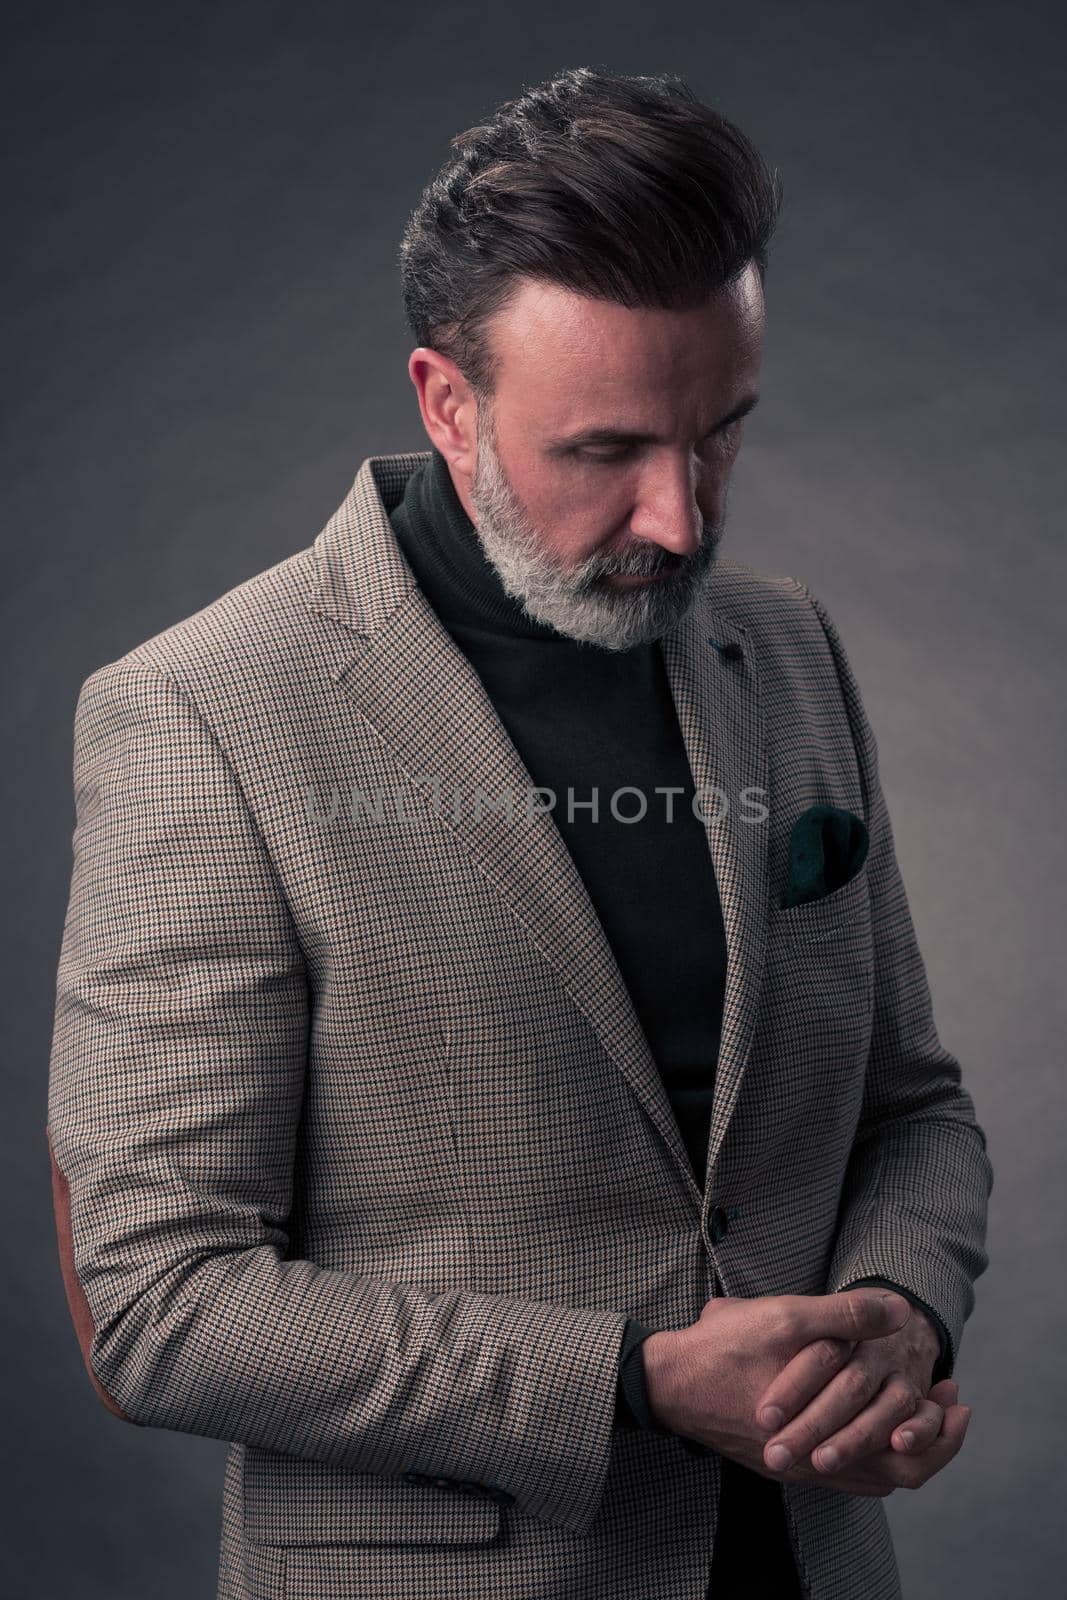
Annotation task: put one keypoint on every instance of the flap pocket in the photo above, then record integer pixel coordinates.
(290, 1501)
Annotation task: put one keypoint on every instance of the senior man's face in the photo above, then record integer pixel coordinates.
(607, 539)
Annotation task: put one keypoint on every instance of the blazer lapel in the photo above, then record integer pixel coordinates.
(407, 678)
(720, 712)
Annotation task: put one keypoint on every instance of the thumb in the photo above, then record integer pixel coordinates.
(863, 1313)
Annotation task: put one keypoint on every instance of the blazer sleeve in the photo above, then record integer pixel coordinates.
(915, 1200)
(176, 1079)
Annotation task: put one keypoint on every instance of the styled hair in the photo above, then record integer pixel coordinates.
(621, 188)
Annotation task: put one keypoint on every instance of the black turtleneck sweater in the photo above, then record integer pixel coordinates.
(595, 721)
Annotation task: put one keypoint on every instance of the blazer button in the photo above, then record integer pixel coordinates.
(718, 1224)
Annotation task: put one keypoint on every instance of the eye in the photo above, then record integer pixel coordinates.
(621, 451)
(726, 433)
(606, 452)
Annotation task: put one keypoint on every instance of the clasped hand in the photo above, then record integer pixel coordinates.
(848, 1371)
(863, 1411)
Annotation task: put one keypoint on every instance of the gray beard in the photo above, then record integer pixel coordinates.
(573, 601)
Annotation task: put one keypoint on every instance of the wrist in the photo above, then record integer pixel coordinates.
(659, 1355)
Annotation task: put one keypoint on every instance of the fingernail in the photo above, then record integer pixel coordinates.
(829, 1459)
(771, 1417)
(909, 1440)
(778, 1457)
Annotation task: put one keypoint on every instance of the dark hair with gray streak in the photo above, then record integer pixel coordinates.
(628, 189)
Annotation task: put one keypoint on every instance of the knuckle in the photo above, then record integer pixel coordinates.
(855, 1313)
(828, 1352)
(924, 1429)
(788, 1322)
(856, 1382)
(904, 1399)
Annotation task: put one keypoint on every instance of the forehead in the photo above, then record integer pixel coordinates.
(563, 351)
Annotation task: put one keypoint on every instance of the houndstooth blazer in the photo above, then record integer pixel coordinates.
(359, 1156)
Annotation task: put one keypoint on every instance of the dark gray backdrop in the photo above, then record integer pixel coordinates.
(203, 340)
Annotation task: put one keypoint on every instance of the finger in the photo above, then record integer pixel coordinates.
(882, 1473)
(860, 1479)
(913, 1474)
(852, 1314)
(829, 1321)
(943, 1394)
(867, 1431)
(844, 1398)
(919, 1431)
(946, 1393)
(800, 1381)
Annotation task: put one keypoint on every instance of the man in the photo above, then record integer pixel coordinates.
(477, 1147)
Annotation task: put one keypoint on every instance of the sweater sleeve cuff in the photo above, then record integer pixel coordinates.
(632, 1409)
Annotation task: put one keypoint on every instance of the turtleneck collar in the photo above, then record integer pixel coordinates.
(441, 545)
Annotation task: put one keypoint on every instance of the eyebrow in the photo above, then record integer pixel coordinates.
(620, 436)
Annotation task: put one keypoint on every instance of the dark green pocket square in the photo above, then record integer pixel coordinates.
(827, 847)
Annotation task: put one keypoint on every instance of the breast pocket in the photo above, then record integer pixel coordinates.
(827, 917)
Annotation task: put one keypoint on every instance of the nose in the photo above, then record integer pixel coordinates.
(666, 511)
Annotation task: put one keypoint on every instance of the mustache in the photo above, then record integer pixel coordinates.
(650, 561)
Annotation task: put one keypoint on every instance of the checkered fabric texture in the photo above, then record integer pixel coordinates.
(359, 1155)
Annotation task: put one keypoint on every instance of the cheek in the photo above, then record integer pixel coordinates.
(712, 484)
(583, 518)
